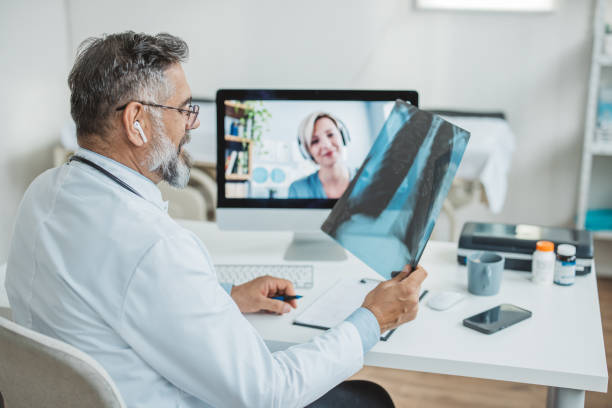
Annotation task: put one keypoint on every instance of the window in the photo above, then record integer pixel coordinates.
(489, 5)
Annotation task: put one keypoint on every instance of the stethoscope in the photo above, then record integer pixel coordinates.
(105, 172)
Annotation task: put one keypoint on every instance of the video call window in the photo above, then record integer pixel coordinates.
(291, 149)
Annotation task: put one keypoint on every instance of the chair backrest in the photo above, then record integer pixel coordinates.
(39, 371)
(4, 302)
(186, 203)
(197, 201)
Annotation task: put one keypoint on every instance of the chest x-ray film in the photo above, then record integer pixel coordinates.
(387, 213)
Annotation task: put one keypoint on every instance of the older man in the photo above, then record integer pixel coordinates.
(97, 262)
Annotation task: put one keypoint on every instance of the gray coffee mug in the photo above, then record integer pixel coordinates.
(485, 271)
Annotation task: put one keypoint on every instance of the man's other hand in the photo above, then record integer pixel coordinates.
(396, 301)
(254, 296)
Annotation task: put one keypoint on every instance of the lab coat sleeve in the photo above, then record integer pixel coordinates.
(183, 324)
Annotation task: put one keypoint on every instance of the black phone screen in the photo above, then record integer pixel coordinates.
(497, 318)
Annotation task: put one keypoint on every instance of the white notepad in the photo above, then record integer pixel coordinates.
(337, 303)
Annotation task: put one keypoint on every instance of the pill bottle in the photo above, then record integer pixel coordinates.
(565, 265)
(543, 263)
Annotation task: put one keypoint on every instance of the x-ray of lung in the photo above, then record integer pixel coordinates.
(387, 213)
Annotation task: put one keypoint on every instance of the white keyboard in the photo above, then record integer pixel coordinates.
(300, 275)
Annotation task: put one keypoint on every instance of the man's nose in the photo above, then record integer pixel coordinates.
(196, 124)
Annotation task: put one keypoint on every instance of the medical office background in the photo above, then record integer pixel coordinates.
(533, 67)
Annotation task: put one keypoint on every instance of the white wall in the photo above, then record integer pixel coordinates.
(533, 67)
(34, 55)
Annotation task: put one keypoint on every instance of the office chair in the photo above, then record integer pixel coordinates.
(355, 394)
(197, 201)
(39, 371)
(5, 307)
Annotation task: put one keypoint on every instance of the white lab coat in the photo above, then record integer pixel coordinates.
(111, 273)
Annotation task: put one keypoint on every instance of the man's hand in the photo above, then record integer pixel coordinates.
(396, 301)
(255, 295)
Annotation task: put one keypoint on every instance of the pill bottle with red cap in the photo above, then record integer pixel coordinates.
(543, 263)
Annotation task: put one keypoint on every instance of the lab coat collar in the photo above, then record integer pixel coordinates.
(145, 187)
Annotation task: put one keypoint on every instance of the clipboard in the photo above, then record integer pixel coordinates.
(337, 303)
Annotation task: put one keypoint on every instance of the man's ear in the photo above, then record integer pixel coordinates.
(132, 114)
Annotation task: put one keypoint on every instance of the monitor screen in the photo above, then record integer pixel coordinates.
(293, 148)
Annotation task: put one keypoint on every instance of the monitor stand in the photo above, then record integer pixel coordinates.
(314, 246)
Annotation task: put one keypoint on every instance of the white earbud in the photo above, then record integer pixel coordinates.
(139, 129)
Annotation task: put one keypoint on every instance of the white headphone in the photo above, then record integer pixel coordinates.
(139, 129)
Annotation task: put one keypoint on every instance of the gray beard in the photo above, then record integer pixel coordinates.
(166, 161)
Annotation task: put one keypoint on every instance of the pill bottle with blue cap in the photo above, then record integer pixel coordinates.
(565, 266)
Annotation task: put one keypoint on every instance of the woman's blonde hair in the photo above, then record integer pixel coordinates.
(307, 127)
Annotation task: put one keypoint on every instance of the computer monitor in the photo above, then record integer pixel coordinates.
(268, 161)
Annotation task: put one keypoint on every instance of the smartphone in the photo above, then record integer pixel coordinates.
(497, 318)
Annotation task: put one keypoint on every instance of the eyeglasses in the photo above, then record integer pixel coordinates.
(192, 112)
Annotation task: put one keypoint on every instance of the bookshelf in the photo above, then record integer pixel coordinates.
(236, 109)
(239, 142)
(242, 123)
(238, 158)
(594, 184)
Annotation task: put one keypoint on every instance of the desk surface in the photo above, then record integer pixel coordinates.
(561, 345)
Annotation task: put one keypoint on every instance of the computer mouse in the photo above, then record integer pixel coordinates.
(444, 300)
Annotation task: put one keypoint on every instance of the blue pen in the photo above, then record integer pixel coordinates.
(286, 298)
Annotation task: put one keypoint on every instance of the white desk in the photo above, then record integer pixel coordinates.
(561, 346)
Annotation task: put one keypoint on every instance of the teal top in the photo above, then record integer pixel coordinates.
(310, 186)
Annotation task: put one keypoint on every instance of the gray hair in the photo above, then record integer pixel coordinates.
(164, 159)
(115, 69)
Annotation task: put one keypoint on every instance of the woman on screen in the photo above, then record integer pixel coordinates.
(322, 138)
